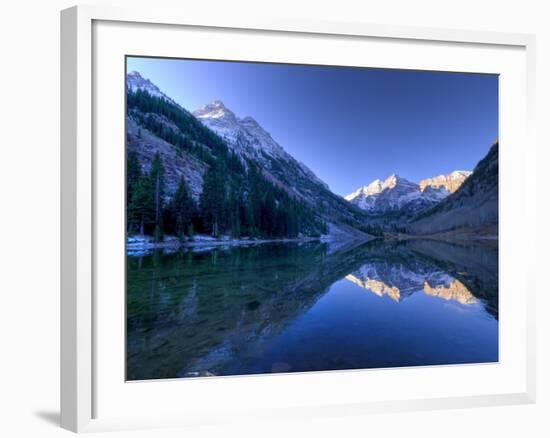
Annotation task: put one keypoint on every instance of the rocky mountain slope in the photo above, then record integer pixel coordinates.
(473, 205)
(191, 144)
(248, 139)
(178, 164)
(252, 142)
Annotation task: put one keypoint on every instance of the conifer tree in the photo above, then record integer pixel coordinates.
(133, 173)
(212, 201)
(157, 179)
(237, 196)
(141, 211)
(182, 208)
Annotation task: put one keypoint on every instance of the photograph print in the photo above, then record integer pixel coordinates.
(285, 218)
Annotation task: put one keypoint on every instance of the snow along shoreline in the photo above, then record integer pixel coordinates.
(139, 243)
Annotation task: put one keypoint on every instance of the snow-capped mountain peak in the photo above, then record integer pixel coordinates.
(373, 188)
(375, 185)
(457, 173)
(450, 182)
(395, 193)
(215, 110)
(394, 180)
(247, 138)
(134, 81)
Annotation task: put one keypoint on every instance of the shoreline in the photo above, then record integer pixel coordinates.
(485, 236)
(142, 244)
(145, 243)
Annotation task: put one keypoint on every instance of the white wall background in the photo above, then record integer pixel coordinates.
(29, 216)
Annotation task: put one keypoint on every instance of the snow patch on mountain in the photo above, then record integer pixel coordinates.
(397, 193)
(248, 138)
(394, 193)
(450, 182)
(373, 188)
(134, 81)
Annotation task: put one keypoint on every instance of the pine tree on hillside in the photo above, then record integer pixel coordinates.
(133, 173)
(237, 197)
(141, 207)
(213, 197)
(181, 209)
(157, 179)
(235, 209)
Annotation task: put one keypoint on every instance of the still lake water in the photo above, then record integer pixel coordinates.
(292, 307)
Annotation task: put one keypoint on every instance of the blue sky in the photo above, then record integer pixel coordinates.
(349, 125)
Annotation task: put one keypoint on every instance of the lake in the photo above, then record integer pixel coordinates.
(294, 307)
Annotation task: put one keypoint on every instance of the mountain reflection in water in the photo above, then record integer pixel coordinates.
(289, 307)
(403, 283)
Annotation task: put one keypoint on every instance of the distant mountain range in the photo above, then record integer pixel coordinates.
(397, 193)
(190, 142)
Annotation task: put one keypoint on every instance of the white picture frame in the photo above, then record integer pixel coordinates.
(84, 380)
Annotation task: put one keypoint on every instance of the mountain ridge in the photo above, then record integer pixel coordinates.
(135, 81)
(244, 138)
(245, 135)
(397, 193)
(451, 181)
(250, 140)
(191, 143)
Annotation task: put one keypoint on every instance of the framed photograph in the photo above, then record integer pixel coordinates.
(289, 218)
